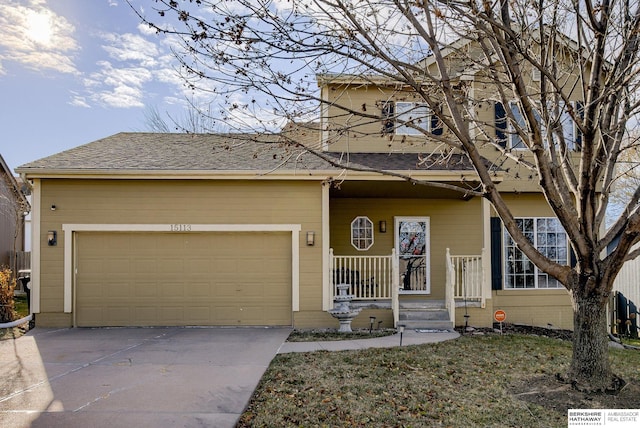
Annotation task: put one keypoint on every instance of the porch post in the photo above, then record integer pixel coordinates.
(486, 254)
(327, 259)
(395, 285)
(450, 284)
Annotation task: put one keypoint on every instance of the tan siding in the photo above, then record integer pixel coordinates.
(528, 205)
(179, 201)
(536, 307)
(478, 317)
(53, 319)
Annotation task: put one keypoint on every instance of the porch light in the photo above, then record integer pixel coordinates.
(311, 238)
(382, 224)
(371, 321)
(52, 238)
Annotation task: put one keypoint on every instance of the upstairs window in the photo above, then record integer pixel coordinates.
(413, 118)
(409, 118)
(507, 136)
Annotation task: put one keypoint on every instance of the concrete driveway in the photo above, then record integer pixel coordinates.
(133, 377)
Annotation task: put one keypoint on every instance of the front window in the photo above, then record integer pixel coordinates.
(413, 118)
(549, 237)
(362, 233)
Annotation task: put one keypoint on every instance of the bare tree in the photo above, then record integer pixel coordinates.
(193, 120)
(534, 60)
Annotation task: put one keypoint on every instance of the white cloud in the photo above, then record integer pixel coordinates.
(79, 101)
(131, 47)
(36, 37)
(118, 87)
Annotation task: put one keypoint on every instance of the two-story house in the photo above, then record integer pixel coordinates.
(143, 229)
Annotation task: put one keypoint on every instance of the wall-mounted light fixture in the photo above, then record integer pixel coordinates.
(311, 238)
(382, 225)
(52, 238)
(53, 207)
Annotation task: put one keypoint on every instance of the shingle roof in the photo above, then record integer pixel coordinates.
(139, 152)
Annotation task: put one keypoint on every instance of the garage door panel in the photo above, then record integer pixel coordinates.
(201, 265)
(145, 315)
(199, 289)
(143, 265)
(183, 279)
(116, 289)
(146, 289)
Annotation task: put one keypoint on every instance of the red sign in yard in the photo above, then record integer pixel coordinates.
(499, 315)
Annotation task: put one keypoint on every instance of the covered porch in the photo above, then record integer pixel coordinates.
(410, 248)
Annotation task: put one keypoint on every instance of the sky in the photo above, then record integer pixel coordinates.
(74, 71)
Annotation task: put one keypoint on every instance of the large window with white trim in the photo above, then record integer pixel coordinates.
(549, 237)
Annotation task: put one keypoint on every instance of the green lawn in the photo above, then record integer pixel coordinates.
(20, 305)
(487, 380)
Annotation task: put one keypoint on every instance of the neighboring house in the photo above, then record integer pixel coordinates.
(627, 283)
(176, 229)
(13, 208)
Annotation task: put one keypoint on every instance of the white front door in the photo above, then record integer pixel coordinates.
(412, 249)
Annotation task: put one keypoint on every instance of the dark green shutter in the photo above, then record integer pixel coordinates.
(501, 124)
(578, 136)
(388, 119)
(436, 125)
(496, 253)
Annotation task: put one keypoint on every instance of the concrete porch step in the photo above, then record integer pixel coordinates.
(424, 314)
(426, 325)
(418, 314)
(421, 304)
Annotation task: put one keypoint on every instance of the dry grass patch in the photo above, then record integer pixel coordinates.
(488, 380)
(332, 334)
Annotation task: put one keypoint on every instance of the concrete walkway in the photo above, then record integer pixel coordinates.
(409, 337)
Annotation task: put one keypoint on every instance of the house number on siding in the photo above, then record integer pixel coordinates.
(181, 228)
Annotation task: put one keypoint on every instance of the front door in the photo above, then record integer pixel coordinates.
(412, 249)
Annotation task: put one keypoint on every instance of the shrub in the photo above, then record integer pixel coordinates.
(7, 287)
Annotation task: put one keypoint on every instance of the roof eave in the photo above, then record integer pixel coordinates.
(298, 174)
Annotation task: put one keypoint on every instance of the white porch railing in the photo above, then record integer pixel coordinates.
(464, 281)
(370, 277)
(467, 276)
(377, 278)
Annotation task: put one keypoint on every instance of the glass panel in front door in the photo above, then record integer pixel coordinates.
(412, 254)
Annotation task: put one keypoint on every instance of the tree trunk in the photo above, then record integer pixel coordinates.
(590, 369)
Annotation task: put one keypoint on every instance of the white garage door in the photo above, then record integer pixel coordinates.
(173, 279)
